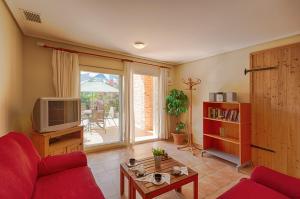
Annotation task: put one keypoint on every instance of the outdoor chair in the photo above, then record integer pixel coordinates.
(98, 119)
(111, 115)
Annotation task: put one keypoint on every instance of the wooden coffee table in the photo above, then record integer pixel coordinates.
(148, 189)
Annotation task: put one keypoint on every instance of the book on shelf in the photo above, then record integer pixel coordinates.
(224, 114)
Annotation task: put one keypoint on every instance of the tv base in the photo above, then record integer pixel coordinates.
(58, 142)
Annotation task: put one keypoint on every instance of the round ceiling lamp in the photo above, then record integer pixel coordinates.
(139, 45)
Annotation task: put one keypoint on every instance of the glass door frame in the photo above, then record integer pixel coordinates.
(105, 70)
(155, 115)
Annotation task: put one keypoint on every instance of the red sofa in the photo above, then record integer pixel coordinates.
(265, 183)
(24, 174)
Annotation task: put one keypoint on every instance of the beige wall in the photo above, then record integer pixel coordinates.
(36, 77)
(10, 72)
(222, 72)
(38, 73)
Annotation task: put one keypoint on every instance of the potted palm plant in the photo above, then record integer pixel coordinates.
(176, 104)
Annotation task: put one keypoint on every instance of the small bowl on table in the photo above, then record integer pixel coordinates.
(176, 171)
(140, 172)
(157, 177)
(131, 162)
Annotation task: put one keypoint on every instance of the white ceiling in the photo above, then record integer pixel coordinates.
(175, 31)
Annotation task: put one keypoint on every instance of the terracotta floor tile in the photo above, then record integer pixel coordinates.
(215, 175)
(219, 180)
(107, 187)
(203, 169)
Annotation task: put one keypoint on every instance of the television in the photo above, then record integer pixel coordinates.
(53, 114)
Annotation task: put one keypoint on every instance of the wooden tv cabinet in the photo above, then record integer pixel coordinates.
(58, 142)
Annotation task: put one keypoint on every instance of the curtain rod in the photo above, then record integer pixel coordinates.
(97, 55)
(101, 67)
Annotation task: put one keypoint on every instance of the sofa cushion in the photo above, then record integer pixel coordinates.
(248, 189)
(57, 163)
(77, 183)
(282, 183)
(18, 166)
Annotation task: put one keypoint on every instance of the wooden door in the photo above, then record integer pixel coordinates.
(275, 102)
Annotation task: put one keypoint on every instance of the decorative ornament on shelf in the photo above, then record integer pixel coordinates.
(191, 84)
(220, 97)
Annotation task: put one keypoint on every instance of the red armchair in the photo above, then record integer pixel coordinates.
(265, 183)
(25, 175)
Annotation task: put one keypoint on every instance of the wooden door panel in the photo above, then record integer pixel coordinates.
(275, 102)
(261, 101)
(293, 109)
(256, 99)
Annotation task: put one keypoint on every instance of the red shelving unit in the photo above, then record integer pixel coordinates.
(234, 144)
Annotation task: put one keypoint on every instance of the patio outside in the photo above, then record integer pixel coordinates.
(100, 109)
(144, 97)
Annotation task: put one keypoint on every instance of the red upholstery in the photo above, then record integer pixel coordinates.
(72, 183)
(265, 183)
(18, 166)
(248, 189)
(53, 164)
(282, 183)
(23, 174)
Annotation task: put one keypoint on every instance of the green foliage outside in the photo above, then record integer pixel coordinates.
(88, 99)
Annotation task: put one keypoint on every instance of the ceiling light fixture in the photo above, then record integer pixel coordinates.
(139, 45)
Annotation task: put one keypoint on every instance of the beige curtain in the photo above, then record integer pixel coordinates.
(65, 67)
(163, 117)
(130, 69)
(128, 119)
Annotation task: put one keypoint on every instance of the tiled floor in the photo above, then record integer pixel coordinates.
(95, 135)
(215, 175)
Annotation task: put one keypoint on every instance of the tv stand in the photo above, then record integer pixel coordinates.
(58, 142)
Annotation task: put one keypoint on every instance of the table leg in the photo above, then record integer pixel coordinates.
(133, 191)
(196, 187)
(129, 188)
(121, 182)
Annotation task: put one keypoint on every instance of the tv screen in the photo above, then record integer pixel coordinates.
(52, 114)
(61, 112)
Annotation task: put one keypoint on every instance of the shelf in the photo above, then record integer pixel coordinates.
(226, 139)
(65, 142)
(219, 120)
(226, 156)
(214, 102)
(233, 145)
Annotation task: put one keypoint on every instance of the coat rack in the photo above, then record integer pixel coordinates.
(190, 145)
(259, 69)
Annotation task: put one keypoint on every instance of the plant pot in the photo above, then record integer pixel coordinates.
(157, 161)
(179, 138)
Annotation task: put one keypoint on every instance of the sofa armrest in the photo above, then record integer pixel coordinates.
(57, 163)
(282, 183)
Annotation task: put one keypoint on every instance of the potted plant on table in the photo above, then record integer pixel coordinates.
(158, 154)
(177, 103)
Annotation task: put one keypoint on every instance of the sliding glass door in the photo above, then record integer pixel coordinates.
(101, 95)
(145, 100)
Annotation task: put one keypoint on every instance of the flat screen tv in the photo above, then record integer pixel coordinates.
(52, 114)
